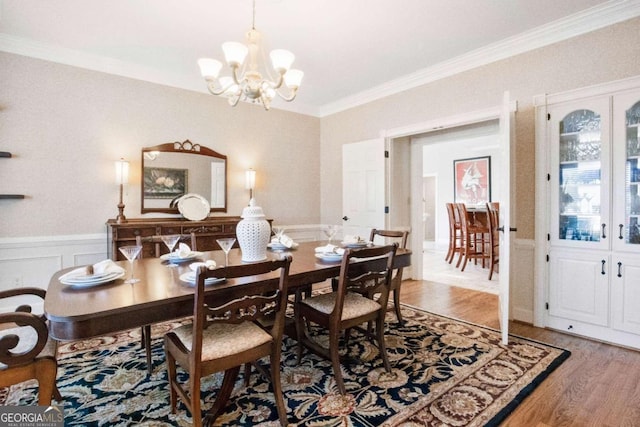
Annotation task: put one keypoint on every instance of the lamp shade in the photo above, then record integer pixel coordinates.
(122, 171)
(293, 78)
(234, 53)
(209, 68)
(281, 60)
(250, 179)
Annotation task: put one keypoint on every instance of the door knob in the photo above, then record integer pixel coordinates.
(345, 218)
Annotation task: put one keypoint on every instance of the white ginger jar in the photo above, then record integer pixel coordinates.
(254, 233)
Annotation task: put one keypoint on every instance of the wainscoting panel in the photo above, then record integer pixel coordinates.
(31, 261)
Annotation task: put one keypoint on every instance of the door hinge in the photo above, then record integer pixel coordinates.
(386, 154)
(386, 209)
(547, 258)
(548, 116)
(548, 237)
(548, 177)
(546, 305)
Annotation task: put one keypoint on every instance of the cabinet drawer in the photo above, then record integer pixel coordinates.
(131, 233)
(170, 229)
(203, 229)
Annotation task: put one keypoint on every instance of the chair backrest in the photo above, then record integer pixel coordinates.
(463, 215)
(391, 236)
(23, 335)
(158, 245)
(259, 299)
(365, 271)
(493, 214)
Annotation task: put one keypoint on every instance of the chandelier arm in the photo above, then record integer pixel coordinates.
(212, 88)
(234, 102)
(234, 74)
(289, 98)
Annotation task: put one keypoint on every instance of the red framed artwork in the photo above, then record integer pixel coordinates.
(472, 180)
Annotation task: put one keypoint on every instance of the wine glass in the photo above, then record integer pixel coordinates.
(330, 231)
(225, 245)
(278, 232)
(131, 252)
(170, 240)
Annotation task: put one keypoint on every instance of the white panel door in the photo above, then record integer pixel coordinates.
(363, 186)
(625, 293)
(579, 285)
(506, 132)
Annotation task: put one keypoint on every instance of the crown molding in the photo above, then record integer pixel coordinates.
(592, 19)
(597, 17)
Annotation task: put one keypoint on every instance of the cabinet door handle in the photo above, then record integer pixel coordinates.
(604, 236)
(603, 263)
(619, 269)
(621, 227)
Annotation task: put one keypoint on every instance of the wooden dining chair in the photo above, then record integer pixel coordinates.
(223, 337)
(493, 213)
(26, 350)
(473, 239)
(401, 238)
(365, 271)
(455, 233)
(158, 244)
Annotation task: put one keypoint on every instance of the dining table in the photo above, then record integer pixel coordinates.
(161, 294)
(80, 312)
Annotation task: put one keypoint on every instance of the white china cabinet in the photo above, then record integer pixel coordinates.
(593, 268)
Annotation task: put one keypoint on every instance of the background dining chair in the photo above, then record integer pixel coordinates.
(473, 239)
(26, 350)
(400, 237)
(158, 244)
(224, 337)
(493, 213)
(455, 232)
(363, 272)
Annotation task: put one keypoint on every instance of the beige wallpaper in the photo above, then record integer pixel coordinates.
(609, 54)
(66, 126)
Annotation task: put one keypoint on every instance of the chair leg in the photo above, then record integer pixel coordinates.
(381, 344)
(300, 332)
(146, 344)
(46, 375)
(335, 361)
(277, 386)
(223, 396)
(171, 373)
(396, 303)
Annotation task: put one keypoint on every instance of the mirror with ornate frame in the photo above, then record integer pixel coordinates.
(178, 168)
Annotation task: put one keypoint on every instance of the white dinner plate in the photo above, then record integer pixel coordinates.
(174, 258)
(194, 207)
(329, 256)
(277, 246)
(355, 244)
(190, 278)
(80, 282)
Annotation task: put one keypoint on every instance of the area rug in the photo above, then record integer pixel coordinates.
(445, 373)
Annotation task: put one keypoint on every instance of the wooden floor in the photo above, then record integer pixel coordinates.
(599, 385)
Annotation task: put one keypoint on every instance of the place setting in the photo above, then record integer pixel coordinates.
(280, 241)
(181, 255)
(93, 275)
(190, 276)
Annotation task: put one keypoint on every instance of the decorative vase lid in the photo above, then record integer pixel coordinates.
(252, 211)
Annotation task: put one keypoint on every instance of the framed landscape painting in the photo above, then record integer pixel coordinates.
(472, 180)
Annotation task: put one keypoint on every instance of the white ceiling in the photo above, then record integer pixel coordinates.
(352, 51)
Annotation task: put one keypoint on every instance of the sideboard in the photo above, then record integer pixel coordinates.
(206, 231)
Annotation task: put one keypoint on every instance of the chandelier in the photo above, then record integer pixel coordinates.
(247, 82)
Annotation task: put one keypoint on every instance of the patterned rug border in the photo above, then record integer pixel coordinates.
(525, 392)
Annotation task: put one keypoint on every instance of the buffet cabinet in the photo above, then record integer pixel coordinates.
(594, 227)
(206, 231)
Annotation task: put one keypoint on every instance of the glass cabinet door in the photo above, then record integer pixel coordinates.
(627, 183)
(580, 186)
